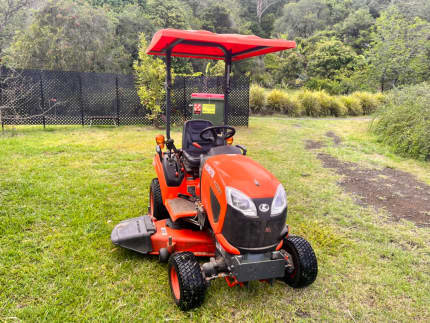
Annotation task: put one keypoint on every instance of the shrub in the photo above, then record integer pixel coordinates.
(382, 98)
(352, 105)
(404, 121)
(317, 84)
(325, 102)
(257, 99)
(150, 75)
(295, 106)
(310, 103)
(368, 101)
(276, 100)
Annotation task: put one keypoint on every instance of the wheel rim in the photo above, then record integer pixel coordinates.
(175, 283)
(151, 201)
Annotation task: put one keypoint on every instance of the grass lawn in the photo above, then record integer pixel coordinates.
(62, 191)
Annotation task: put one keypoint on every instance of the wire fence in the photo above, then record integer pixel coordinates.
(67, 98)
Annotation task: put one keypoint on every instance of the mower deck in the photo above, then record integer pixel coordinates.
(146, 236)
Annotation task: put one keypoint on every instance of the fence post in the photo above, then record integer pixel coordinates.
(2, 72)
(42, 97)
(185, 99)
(81, 100)
(117, 100)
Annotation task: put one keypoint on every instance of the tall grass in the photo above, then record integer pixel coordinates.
(313, 103)
(404, 121)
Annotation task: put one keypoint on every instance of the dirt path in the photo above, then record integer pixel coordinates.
(400, 193)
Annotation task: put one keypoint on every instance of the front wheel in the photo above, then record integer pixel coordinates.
(186, 280)
(304, 260)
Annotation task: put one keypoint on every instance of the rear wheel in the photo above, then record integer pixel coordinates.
(186, 280)
(157, 208)
(304, 260)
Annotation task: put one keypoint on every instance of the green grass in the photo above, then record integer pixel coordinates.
(62, 191)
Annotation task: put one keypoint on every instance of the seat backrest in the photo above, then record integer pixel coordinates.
(191, 133)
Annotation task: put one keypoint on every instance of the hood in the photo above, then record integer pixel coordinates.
(244, 174)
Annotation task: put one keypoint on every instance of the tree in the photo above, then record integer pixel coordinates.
(150, 77)
(330, 58)
(216, 18)
(355, 29)
(131, 22)
(66, 35)
(168, 14)
(398, 52)
(303, 18)
(263, 6)
(12, 14)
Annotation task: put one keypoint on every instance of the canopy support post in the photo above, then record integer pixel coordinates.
(168, 86)
(227, 85)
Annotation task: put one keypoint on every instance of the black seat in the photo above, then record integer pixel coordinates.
(190, 134)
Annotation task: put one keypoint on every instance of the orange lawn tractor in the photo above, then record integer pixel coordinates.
(209, 199)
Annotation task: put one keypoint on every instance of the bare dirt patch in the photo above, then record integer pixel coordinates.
(336, 139)
(398, 192)
(313, 144)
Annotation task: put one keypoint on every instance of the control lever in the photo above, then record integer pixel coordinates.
(243, 148)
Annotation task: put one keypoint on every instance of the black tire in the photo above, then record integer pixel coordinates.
(304, 260)
(189, 287)
(157, 208)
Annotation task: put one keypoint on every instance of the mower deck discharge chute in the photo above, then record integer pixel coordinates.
(209, 199)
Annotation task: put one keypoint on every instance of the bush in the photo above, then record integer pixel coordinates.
(276, 101)
(257, 99)
(404, 121)
(352, 105)
(317, 84)
(310, 103)
(280, 101)
(368, 101)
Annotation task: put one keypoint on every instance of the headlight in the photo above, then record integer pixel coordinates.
(239, 201)
(280, 201)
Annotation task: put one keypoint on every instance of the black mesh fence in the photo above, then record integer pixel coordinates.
(59, 97)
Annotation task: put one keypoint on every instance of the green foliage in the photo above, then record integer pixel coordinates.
(13, 17)
(303, 18)
(66, 35)
(257, 99)
(310, 103)
(150, 76)
(352, 104)
(216, 18)
(330, 58)
(331, 86)
(281, 102)
(356, 28)
(369, 102)
(399, 52)
(168, 14)
(404, 122)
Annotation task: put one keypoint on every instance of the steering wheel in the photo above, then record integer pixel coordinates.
(217, 134)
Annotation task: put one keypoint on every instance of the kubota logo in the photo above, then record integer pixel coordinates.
(263, 207)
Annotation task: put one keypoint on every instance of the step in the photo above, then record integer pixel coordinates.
(180, 208)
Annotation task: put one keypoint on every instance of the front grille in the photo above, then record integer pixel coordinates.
(247, 233)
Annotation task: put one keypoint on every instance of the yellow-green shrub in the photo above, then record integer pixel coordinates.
(382, 98)
(310, 103)
(326, 102)
(257, 98)
(276, 100)
(295, 108)
(368, 101)
(352, 105)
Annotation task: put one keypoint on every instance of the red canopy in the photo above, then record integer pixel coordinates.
(205, 44)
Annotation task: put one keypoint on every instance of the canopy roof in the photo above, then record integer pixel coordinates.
(208, 45)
